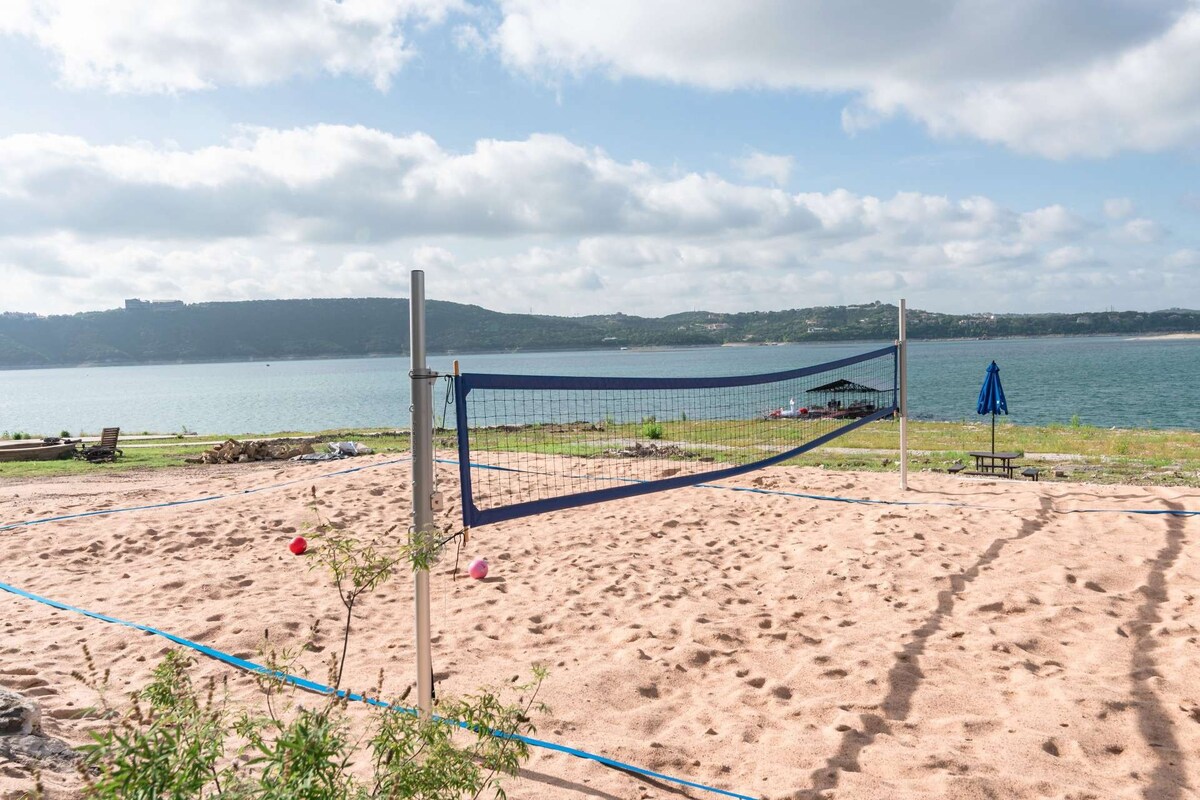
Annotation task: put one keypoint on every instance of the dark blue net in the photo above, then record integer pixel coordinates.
(531, 443)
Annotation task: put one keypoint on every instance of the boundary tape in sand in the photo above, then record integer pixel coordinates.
(208, 499)
(752, 490)
(836, 499)
(313, 686)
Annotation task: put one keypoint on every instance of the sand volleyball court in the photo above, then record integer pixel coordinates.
(769, 645)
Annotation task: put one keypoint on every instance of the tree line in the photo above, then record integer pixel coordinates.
(333, 328)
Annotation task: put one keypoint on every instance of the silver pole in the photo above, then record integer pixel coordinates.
(903, 356)
(422, 484)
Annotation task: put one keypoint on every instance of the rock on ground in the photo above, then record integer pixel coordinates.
(22, 740)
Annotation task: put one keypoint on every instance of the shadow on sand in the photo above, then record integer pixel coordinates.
(905, 676)
(1168, 780)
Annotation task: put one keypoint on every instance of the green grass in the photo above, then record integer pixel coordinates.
(1139, 456)
(171, 450)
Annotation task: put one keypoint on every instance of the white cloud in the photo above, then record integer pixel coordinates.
(431, 257)
(1068, 256)
(1142, 230)
(148, 46)
(540, 222)
(777, 169)
(1058, 79)
(356, 184)
(1184, 259)
(1118, 208)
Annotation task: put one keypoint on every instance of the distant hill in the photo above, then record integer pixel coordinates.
(278, 329)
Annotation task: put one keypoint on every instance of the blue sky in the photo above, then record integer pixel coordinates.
(644, 157)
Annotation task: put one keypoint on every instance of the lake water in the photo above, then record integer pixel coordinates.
(1106, 381)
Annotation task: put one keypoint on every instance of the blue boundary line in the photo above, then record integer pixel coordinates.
(836, 499)
(474, 465)
(313, 686)
(208, 499)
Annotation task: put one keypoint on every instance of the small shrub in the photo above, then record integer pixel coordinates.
(64, 434)
(652, 430)
(181, 741)
(1076, 422)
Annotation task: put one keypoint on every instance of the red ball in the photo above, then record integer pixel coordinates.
(298, 545)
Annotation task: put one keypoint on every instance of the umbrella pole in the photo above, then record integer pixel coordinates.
(993, 431)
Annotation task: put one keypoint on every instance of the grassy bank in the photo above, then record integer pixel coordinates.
(1062, 452)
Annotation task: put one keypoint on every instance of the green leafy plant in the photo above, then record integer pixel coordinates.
(651, 429)
(1076, 422)
(184, 741)
(356, 568)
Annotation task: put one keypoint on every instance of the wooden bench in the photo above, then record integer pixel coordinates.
(104, 450)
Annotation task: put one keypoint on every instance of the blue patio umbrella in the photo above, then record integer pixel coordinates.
(991, 398)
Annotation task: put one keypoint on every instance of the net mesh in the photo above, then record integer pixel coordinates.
(530, 444)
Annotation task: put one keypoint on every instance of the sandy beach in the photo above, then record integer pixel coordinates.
(990, 641)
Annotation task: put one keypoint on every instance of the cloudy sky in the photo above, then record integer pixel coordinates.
(570, 157)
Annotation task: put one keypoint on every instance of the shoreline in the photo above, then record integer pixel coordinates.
(1164, 336)
(1178, 336)
(1141, 457)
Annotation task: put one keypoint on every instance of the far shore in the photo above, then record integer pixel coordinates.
(609, 347)
(1164, 336)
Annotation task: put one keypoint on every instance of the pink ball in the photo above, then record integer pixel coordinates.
(478, 569)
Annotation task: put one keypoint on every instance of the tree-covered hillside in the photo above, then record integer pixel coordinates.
(267, 329)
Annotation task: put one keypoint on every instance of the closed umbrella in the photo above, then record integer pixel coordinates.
(991, 398)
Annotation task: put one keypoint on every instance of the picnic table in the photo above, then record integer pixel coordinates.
(987, 463)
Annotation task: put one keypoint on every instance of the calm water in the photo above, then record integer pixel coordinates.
(1105, 381)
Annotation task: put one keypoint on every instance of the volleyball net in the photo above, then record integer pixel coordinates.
(529, 444)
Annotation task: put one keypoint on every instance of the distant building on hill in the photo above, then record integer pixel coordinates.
(134, 304)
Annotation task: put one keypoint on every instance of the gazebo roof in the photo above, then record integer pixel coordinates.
(844, 385)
